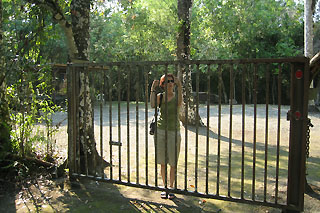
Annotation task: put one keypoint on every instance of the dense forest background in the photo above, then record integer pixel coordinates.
(138, 30)
(133, 30)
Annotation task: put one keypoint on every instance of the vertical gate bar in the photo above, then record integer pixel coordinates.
(305, 101)
(101, 122)
(197, 129)
(231, 81)
(293, 99)
(254, 131)
(73, 110)
(266, 133)
(186, 126)
(243, 96)
(137, 126)
(92, 75)
(278, 133)
(166, 129)
(119, 119)
(219, 130)
(176, 134)
(156, 140)
(208, 125)
(146, 121)
(128, 123)
(110, 122)
(292, 108)
(72, 118)
(84, 115)
(78, 120)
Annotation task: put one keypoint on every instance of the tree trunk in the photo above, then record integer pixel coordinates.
(184, 74)
(308, 43)
(223, 89)
(80, 16)
(308, 36)
(308, 29)
(77, 37)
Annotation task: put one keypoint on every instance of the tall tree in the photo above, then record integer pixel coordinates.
(183, 53)
(308, 27)
(309, 10)
(77, 36)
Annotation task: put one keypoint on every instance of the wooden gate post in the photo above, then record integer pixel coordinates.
(72, 93)
(298, 116)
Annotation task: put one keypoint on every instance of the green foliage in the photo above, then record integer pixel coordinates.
(31, 105)
(146, 30)
(246, 29)
(30, 33)
(143, 30)
(5, 146)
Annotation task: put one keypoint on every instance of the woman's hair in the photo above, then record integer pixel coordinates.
(163, 78)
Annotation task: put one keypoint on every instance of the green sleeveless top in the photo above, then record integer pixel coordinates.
(172, 115)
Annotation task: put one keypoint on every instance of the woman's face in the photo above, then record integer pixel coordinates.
(170, 82)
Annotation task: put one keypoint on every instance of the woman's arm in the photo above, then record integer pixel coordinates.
(179, 87)
(155, 84)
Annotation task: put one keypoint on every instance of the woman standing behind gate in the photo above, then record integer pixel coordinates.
(170, 118)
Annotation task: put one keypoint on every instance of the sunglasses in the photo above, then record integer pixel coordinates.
(170, 81)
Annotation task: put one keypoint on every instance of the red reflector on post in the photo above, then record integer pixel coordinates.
(299, 74)
(297, 114)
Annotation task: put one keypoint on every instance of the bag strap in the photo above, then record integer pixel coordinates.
(161, 95)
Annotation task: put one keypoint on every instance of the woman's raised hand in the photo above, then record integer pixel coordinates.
(155, 84)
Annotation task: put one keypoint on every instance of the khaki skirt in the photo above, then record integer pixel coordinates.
(161, 144)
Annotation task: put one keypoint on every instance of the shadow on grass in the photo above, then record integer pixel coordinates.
(255, 171)
(203, 131)
(7, 196)
(313, 191)
(92, 196)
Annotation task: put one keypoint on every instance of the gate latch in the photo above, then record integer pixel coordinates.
(116, 143)
(289, 114)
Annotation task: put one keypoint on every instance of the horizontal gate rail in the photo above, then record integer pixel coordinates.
(98, 66)
(186, 192)
(245, 145)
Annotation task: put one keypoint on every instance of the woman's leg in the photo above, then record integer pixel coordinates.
(172, 175)
(172, 180)
(163, 174)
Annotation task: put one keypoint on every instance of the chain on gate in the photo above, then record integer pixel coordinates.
(309, 124)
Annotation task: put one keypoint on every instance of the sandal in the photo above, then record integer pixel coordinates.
(163, 195)
(171, 196)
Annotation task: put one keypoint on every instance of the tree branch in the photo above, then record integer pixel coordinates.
(58, 15)
(315, 65)
(51, 5)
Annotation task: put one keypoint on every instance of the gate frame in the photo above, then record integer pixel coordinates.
(298, 116)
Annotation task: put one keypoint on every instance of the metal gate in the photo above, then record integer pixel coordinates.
(251, 148)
